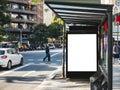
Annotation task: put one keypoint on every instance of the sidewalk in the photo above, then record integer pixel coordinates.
(59, 83)
(116, 76)
(52, 83)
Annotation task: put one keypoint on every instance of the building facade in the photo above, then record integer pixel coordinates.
(116, 12)
(48, 14)
(24, 16)
(116, 24)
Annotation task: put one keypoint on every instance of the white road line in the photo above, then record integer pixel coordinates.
(55, 54)
(36, 51)
(6, 72)
(30, 59)
(28, 73)
(40, 60)
(41, 64)
(58, 70)
(58, 60)
(53, 64)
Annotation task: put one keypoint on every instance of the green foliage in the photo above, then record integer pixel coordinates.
(35, 1)
(11, 37)
(1, 38)
(3, 5)
(55, 30)
(40, 35)
(4, 18)
(2, 32)
(46, 10)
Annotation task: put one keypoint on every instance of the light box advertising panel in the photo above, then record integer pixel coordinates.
(82, 52)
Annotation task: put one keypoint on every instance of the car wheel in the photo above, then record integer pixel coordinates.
(9, 65)
(21, 62)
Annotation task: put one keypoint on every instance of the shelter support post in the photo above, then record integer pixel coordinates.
(63, 55)
(110, 49)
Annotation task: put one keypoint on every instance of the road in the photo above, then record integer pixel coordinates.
(32, 73)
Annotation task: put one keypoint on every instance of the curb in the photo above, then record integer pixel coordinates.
(54, 73)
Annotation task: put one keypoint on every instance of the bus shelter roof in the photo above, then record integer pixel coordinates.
(79, 13)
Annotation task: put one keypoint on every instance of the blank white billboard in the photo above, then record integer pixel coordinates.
(82, 52)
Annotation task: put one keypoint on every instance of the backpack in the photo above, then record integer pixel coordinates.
(115, 49)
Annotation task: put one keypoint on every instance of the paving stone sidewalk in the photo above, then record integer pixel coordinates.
(56, 82)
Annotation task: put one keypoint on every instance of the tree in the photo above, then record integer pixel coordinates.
(55, 30)
(40, 35)
(11, 37)
(4, 18)
(36, 1)
(2, 33)
(57, 19)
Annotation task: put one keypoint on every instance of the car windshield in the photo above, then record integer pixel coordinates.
(50, 45)
(2, 52)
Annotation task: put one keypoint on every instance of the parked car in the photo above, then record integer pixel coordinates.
(40, 47)
(60, 45)
(51, 45)
(10, 57)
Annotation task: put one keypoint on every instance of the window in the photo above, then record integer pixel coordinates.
(2, 52)
(15, 6)
(13, 51)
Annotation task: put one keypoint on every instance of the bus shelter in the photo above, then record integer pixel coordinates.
(90, 25)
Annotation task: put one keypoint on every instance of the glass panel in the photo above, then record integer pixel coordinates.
(79, 15)
(2, 52)
(73, 7)
(80, 1)
(76, 12)
(79, 18)
(104, 51)
(15, 6)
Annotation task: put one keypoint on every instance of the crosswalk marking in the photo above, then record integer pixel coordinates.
(28, 73)
(30, 59)
(12, 70)
(40, 60)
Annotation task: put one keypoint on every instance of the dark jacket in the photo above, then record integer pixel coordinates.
(47, 49)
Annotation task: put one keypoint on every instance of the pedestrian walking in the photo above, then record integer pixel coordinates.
(115, 52)
(119, 53)
(47, 53)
